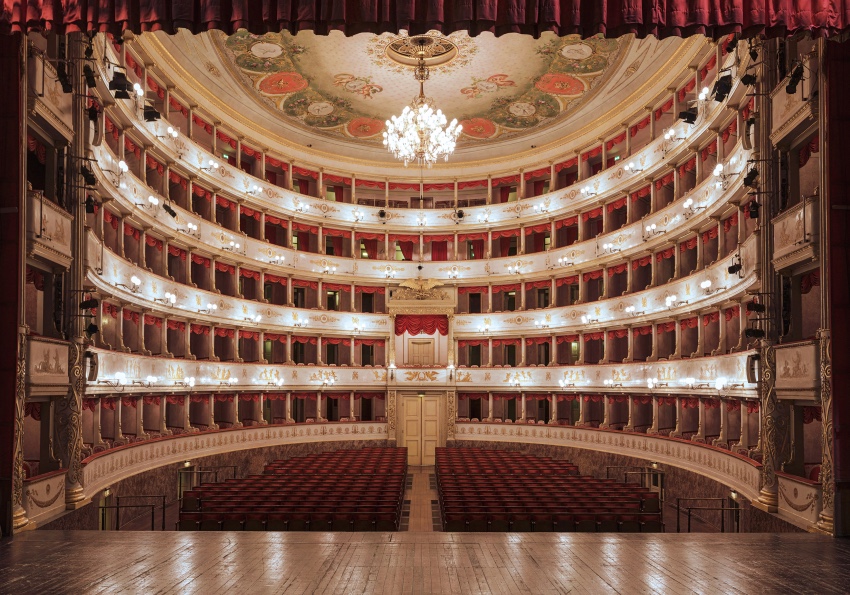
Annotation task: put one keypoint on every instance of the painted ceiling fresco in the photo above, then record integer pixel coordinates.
(347, 87)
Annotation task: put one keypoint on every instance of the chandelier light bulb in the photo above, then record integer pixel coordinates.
(122, 165)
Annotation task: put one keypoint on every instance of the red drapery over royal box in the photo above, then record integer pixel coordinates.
(416, 324)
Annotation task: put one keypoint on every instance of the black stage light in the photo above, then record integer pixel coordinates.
(750, 178)
(794, 80)
(150, 114)
(93, 113)
(722, 87)
(120, 85)
(754, 333)
(89, 304)
(91, 329)
(732, 45)
(756, 307)
(754, 54)
(91, 205)
(167, 208)
(88, 73)
(688, 116)
(88, 177)
(382, 213)
(459, 214)
(753, 209)
(749, 80)
(64, 79)
(735, 268)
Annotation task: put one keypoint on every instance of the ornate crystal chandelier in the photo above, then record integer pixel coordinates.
(420, 133)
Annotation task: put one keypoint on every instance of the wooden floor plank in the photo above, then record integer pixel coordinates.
(426, 562)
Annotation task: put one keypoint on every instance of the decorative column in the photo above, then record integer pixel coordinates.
(722, 441)
(677, 431)
(450, 334)
(553, 409)
(490, 406)
(289, 407)
(653, 429)
(522, 411)
(743, 446)
(319, 402)
(582, 412)
(775, 429)
(391, 343)
(211, 419)
(606, 413)
(163, 415)
(630, 424)
(351, 405)
(700, 435)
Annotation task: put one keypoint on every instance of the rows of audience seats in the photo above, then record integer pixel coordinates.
(347, 490)
(494, 490)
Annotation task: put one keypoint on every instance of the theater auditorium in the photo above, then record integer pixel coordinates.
(424, 297)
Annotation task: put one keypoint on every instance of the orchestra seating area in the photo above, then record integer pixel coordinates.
(347, 490)
(494, 490)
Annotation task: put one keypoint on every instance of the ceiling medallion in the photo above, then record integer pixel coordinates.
(420, 133)
(434, 50)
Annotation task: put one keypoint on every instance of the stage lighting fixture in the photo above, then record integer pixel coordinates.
(150, 114)
(735, 268)
(749, 80)
(91, 329)
(88, 176)
(794, 80)
(120, 85)
(722, 87)
(91, 205)
(93, 113)
(756, 307)
(750, 178)
(754, 333)
(88, 74)
(753, 209)
(89, 304)
(167, 208)
(732, 45)
(688, 116)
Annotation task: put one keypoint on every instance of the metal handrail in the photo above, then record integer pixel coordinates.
(722, 517)
(118, 504)
(679, 510)
(104, 507)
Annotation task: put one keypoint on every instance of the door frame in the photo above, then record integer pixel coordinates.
(442, 413)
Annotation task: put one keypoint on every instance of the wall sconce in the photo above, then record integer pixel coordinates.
(651, 231)
(484, 328)
(120, 381)
(278, 382)
(298, 322)
(135, 282)
(301, 207)
(211, 165)
(329, 270)
(692, 209)
(632, 167)
(735, 385)
(232, 246)
(672, 301)
(588, 191)
(670, 135)
(255, 320)
(652, 383)
(420, 219)
(356, 330)
(357, 215)
(484, 218)
(608, 249)
(169, 300)
(277, 259)
(454, 272)
(692, 383)
(589, 320)
(706, 286)
(541, 324)
(192, 230)
(151, 204)
(632, 311)
(188, 383)
(211, 308)
(389, 273)
(564, 383)
(610, 383)
(564, 262)
(329, 381)
(229, 382)
(541, 209)
(254, 190)
(172, 132)
(514, 269)
(147, 382)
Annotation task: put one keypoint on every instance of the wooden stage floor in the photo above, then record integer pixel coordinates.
(420, 562)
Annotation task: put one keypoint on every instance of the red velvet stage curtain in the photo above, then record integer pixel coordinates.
(303, 186)
(585, 17)
(504, 193)
(416, 324)
(303, 241)
(336, 244)
(371, 247)
(504, 246)
(440, 251)
(477, 249)
(406, 250)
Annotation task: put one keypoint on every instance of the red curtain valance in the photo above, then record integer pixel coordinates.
(640, 193)
(310, 340)
(568, 222)
(542, 228)
(617, 204)
(416, 324)
(275, 279)
(336, 233)
(591, 275)
(567, 339)
(585, 17)
(593, 214)
(809, 280)
(572, 280)
(305, 283)
(507, 287)
(472, 342)
(641, 262)
(337, 287)
(368, 289)
(464, 237)
(369, 342)
(537, 340)
(473, 289)
(506, 233)
(664, 108)
(501, 342)
(537, 284)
